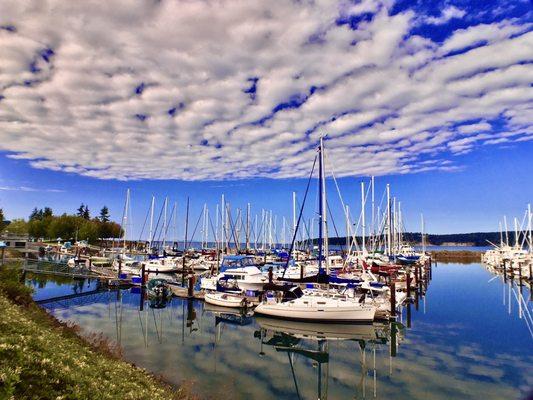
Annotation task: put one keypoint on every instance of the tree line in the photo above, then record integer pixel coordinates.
(43, 224)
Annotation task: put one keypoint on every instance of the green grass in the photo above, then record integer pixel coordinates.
(41, 358)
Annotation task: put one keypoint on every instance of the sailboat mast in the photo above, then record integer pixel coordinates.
(222, 227)
(248, 226)
(125, 218)
(176, 223)
(516, 232)
(422, 233)
(529, 228)
(363, 216)
(389, 232)
(506, 230)
(322, 240)
(373, 209)
(206, 226)
(185, 244)
(399, 225)
(165, 223)
(151, 223)
(347, 211)
(216, 228)
(501, 234)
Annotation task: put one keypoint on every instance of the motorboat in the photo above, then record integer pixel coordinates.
(163, 264)
(158, 288)
(239, 272)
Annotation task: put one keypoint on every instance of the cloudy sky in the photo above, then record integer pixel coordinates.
(204, 97)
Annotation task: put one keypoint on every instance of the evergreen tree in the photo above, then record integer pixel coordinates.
(104, 214)
(34, 214)
(47, 212)
(81, 210)
(86, 213)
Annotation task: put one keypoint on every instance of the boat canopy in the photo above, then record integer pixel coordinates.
(230, 262)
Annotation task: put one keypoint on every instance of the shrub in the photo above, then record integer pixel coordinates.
(13, 288)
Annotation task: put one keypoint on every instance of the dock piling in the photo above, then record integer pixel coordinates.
(393, 299)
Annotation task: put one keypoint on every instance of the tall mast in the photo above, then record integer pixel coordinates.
(151, 224)
(322, 230)
(256, 233)
(363, 216)
(389, 232)
(185, 243)
(501, 234)
(175, 223)
(216, 228)
(248, 226)
(206, 226)
(506, 230)
(165, 223)
(347, 211)
(203, 226)
(422, 233)
(516, 232)
(222, 226)
(125, 218)
(263, 228)
(399, 225)
(529, 228)
(373, 209)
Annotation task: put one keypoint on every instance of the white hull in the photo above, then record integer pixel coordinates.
(225, 300)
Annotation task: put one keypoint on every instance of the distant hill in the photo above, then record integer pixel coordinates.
(452, 239)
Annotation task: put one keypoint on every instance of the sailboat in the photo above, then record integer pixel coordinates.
(319, 305)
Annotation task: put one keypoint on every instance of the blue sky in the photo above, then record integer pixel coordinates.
(201, 99)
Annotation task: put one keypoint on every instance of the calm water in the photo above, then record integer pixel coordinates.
(466, 341)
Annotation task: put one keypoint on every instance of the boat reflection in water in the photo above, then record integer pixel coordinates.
(310, 341)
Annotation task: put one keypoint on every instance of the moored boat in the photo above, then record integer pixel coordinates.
(225, 300)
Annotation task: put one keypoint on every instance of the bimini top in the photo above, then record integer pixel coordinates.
(230, 262)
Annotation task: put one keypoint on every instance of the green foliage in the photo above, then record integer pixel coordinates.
(110, 230)
(12, 288)
(89, 230)
(38, 228)
(64, 226)
(18, 227)
(42, 359)
(3, 222)
(43, 224)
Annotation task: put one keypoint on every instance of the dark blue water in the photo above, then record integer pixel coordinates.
(466, 341)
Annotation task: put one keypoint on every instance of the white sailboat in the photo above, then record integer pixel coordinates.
(319, 305)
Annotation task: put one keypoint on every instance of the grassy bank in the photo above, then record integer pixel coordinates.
(41, 358)
(462, 256)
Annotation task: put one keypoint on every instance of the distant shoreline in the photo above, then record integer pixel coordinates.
(462, 256)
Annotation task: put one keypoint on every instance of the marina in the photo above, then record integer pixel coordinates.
(251, 200)
(438, 346)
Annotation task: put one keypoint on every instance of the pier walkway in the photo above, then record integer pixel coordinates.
(62, 269)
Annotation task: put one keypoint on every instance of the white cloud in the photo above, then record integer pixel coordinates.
(135, 90)
(28, 189)
(447, 14)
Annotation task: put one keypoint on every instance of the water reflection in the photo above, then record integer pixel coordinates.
(465, 345)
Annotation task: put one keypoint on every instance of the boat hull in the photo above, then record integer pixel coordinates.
(223, 300)
(362, 313)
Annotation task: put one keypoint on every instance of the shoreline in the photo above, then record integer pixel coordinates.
(460, 256)
(41, 355)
